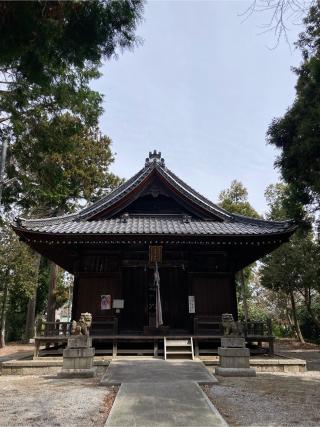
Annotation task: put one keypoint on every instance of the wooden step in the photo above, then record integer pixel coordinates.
(177, 343)
(178, 347)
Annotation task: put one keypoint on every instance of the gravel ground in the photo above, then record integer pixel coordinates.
(48, 401)
(273, 399)
(277, 399)
(269, 400)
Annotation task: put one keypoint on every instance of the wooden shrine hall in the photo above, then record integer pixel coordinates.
(113, 246)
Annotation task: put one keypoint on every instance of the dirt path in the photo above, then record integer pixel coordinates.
(308, 352)
(15, 350)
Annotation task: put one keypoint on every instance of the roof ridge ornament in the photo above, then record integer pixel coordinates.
(124, 217)
(186, 218)
(154, 158)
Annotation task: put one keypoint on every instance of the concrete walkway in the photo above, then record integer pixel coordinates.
(158, 393)
(156, 371)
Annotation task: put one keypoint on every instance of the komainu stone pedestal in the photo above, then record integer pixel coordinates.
(234, 358)
(78, 358)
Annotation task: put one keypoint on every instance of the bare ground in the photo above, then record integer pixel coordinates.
(270, 399)
(276, 399)
(273, 399)
(15, 350)
(293, 348)
(49, 401)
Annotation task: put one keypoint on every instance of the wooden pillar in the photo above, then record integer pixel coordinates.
(51, 306)
(74, 313)
(31, 309)
(196, 347)
(36, 348)
(155, 348)
(114, 347)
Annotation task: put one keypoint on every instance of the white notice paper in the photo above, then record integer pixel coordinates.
(192, 307)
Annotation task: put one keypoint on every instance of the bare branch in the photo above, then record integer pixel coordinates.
(282, 12)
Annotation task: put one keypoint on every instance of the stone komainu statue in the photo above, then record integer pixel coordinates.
(82, 326)
(230, 327)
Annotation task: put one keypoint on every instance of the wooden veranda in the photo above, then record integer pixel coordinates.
(206, 338)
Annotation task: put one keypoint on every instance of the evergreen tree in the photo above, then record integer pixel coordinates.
(293, 269)
(297, 133)
(17, 284)
(235, 199)
(57, 157)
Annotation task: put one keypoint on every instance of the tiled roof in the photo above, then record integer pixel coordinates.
(167, 225)
(132, 183)
(222, 223)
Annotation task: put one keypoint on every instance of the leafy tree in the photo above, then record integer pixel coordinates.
(308, 327)
(283, 204)
(51, 37)
(57, 159)
(17, 273)
(56, 162)
(235, 199)
(296, 134)
(48, 113)
(293, 269)
(54, 52)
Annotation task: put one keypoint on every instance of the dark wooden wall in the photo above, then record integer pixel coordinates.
(134, 316)
(87, 294)
(182, 273)
(214, 293)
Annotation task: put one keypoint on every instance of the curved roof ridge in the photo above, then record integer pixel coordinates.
(153, 163)
(125, 186)
(262, 221)
(45, 221)
(88, 209)
(208, 203)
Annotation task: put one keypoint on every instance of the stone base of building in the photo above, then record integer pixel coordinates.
(235, 372)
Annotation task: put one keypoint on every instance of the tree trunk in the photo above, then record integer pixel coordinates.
(295, 318)
(31, 311)
(244, 297)
(51, 306)
(2, 165)
(290, 322)
(3, 317)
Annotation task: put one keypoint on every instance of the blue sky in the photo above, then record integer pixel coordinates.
(202, 88)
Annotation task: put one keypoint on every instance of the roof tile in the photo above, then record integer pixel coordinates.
(158, 225)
